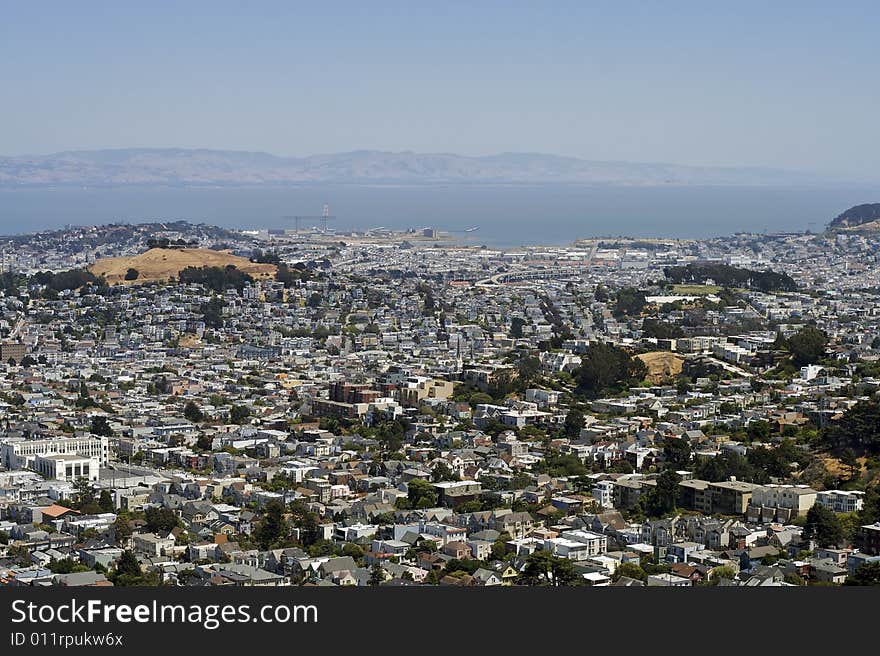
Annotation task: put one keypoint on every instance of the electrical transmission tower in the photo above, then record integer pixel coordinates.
(323, 217)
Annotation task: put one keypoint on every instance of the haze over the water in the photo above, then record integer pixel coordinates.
(785, 84)
(505, 216)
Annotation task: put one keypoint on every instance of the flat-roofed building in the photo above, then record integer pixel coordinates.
(696, 495)
(841, 501)
(596, 544)
(781, 502)
(731, 497)
(19, 452)
(66, 467)
(12, 351)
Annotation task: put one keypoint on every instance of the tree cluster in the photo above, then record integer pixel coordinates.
(608, 369)
(858, 428)
(807, 345)
(216, 278)
(730, 276)
(661, 329)
(629, 302)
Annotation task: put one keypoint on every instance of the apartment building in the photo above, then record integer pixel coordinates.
(841, 501)
(781, 502)
(20, 452)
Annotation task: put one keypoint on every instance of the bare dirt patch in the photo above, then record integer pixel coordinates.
(662, 365)
(162, 264)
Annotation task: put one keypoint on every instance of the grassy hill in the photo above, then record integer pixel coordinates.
(161, 264)
(662, 365)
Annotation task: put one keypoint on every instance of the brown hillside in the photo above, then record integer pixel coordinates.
(661, 365)
(162, 264)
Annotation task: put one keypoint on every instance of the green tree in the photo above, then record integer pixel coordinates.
(121, 528)
(528, 368)
(480, 397)
(807, 345)
(574, 422)
(663, 497)
(322, 547)
(377, 575)
(421, 494)
(729, 276)
(20, 554)
(273, 526)
(857, 429)
(661, 329)
(239, 413)
(84, 494)
(865, 574)
(442, 472)
(561, 464)
(430, 305)
(105, 501)
(629, 302)
(723, 572)
(128, 570)
(794, 579)
(66, 566)
(608, 369)
(100, 426)
(216, 278)
(728, 408)
(630, 570)
(212, 312)
(823, 526)
(849, 460)
(871, 510)
(160, 520)
(499, 547)
(516, 327)
(723, 466)
(543, 568)
(306, 521)
(758, 430)
(192, 412)
(775, 461)
(677, 451)
(353, 550)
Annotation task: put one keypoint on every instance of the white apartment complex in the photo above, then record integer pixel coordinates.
(20, 452)
(841, 501)
(780, 502)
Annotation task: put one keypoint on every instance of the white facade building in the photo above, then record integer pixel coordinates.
(603, 493)
(841, 501)
(66, 467)
(797, 498)
(19, 453)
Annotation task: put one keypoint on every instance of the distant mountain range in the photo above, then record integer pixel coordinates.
(180, 167)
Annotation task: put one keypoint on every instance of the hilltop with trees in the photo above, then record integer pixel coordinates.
(725, 275)
(158, 264)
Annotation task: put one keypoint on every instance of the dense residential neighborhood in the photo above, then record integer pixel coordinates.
(395, 408)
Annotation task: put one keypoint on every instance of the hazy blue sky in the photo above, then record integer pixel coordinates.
(783, 84)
